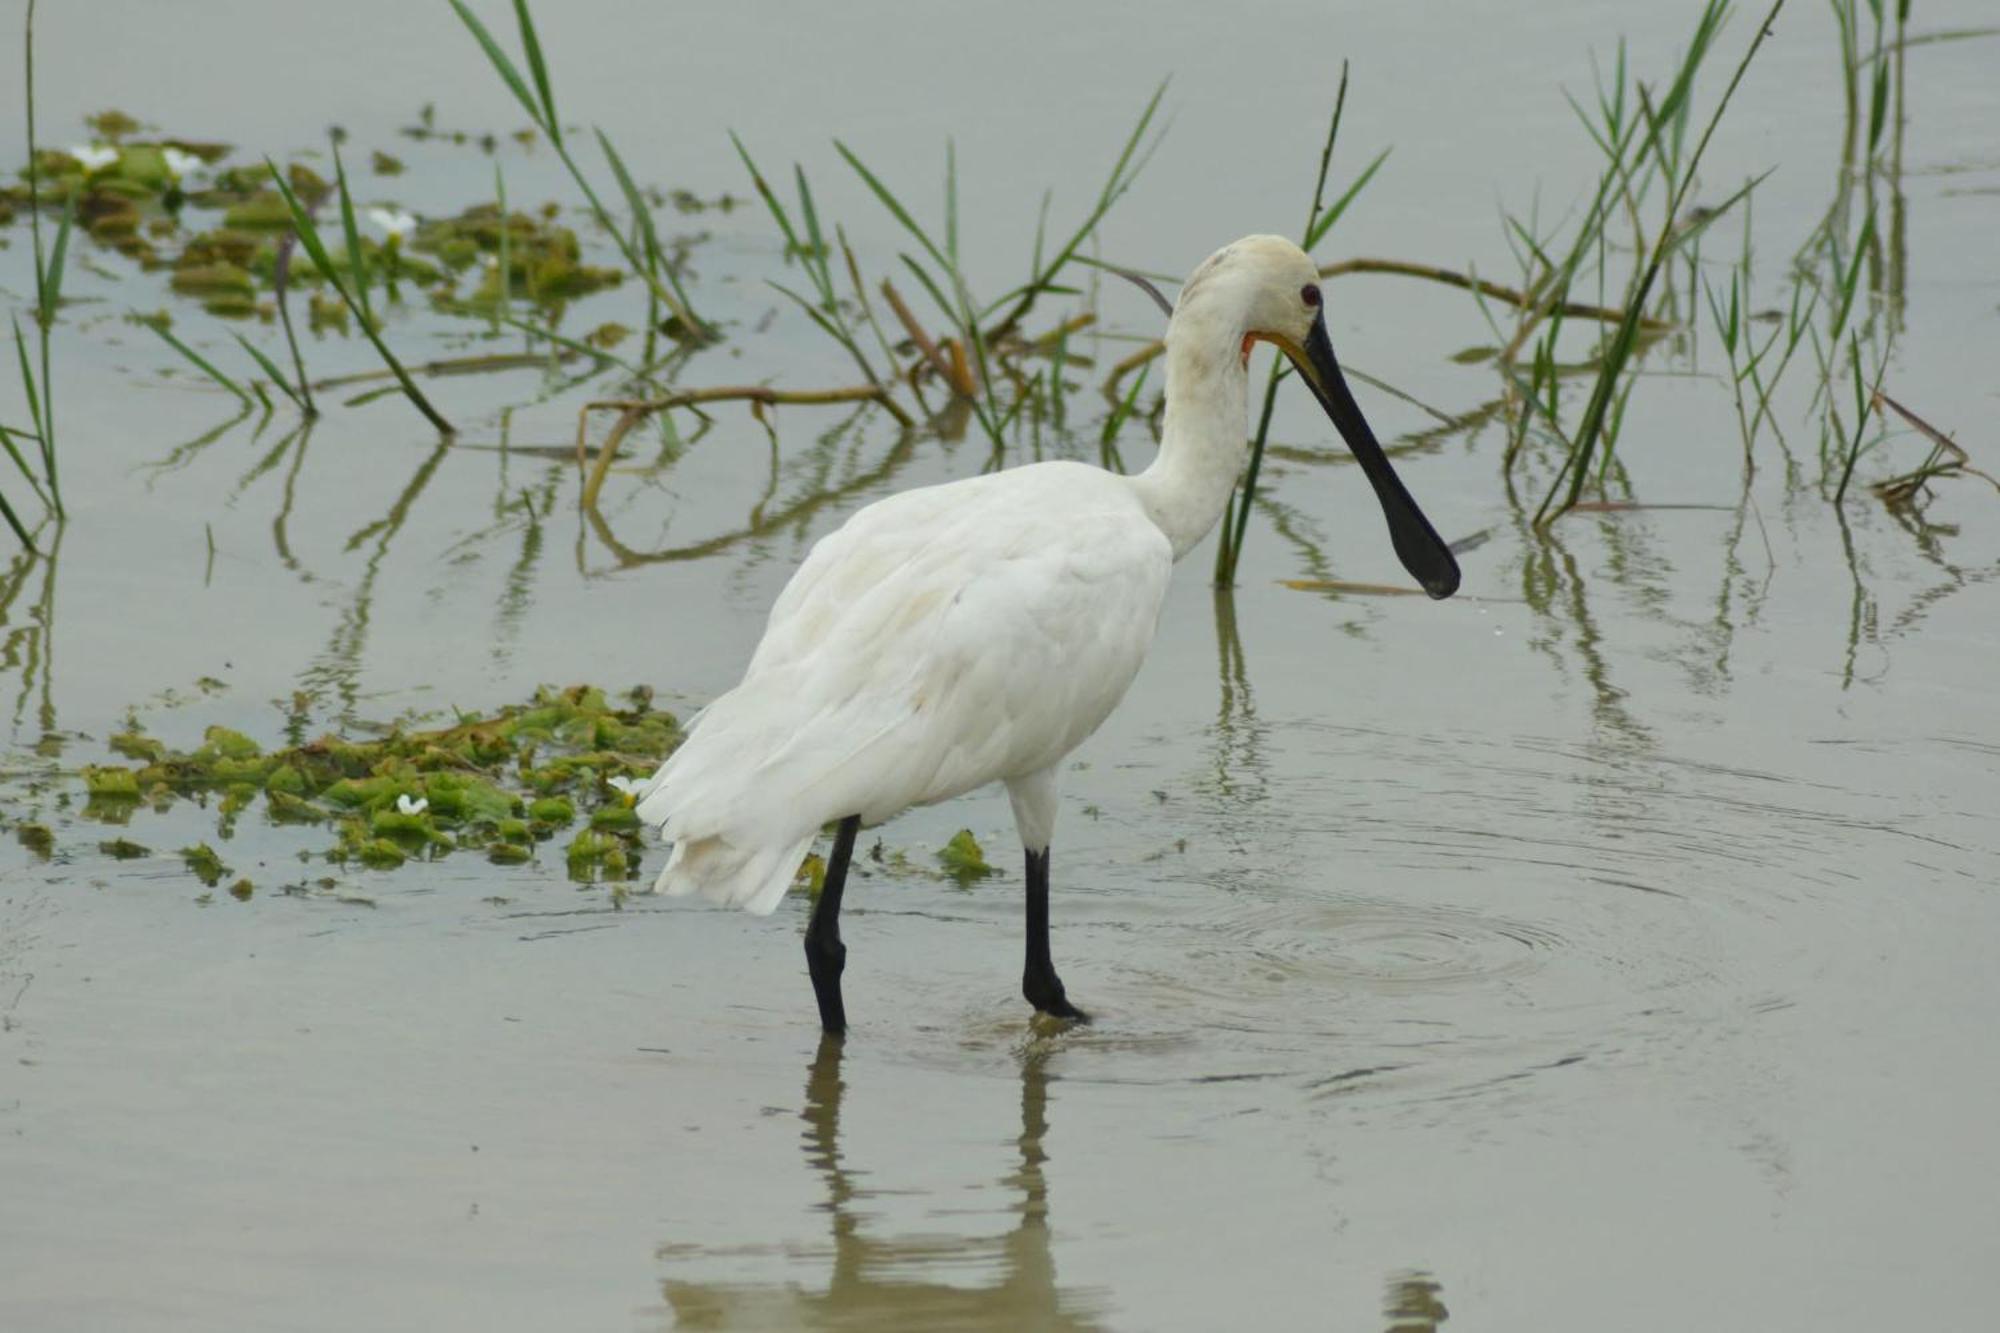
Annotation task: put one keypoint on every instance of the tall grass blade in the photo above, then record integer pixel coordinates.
(1576, 469)
(868, 313)
(1326, 154)
(1319, 220)
(532, 44)
(34, 168)
(196, 359)
(14, 522)
(506, 69)
(28, 384)
(951, 200)
(281, 278)
(50, 288)
(1861, 401)
(1850, 279)
(930, 285)
(308, 234)
(1347, 196)
(271, 371)
(817, 262)
(356, 261)
(656, 263)
(769, 196)
(48, 283)
(1124, 171)
(303, 228)
(893, 204)
(541, 110)
(21, 464)
(635, 201)
(1126, 406)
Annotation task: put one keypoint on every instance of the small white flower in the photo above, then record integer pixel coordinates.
(630, 786)
(94, 157)
(180, 164)
(404, 805)
(394, 223)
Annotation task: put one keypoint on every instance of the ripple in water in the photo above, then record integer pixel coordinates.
(1389, 948)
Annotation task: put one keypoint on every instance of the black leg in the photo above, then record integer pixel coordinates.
(826, 956)
(1039, 981)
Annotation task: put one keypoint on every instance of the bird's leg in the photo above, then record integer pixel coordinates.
(826, 956)
(1039, 981)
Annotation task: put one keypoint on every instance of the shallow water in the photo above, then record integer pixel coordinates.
(1605, 947)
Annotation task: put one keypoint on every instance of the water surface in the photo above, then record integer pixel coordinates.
(1605, 947)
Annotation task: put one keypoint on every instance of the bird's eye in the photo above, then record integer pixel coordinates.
(1309, 294)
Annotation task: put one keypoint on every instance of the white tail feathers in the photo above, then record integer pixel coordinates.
(728, 847)
(745, 795)
(752, 878)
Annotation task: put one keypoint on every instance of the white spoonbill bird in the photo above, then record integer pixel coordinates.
(979, 630)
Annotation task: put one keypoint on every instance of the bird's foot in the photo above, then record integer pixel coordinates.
(1046, 994)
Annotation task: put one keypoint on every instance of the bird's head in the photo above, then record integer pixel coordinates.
(1266, 289)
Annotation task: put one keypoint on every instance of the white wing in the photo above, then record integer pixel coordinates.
(941, 639)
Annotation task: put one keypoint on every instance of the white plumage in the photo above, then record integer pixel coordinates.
(940, 640)
(978, 631)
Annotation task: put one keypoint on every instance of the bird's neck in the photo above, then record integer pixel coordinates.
(1202, 444)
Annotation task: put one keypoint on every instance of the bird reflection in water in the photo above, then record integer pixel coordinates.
(1008, 1280)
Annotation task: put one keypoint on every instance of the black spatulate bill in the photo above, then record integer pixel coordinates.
(1417, 544)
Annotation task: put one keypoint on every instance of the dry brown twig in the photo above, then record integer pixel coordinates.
(925, 344)
(1902, 489)
(1429, 273)
(632, 411)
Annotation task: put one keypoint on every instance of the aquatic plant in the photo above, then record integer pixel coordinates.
(353, 292)
(646, 260)
(500, 783)
(985, 347)
(48, 298)
(1643, 143)
(1320, 220)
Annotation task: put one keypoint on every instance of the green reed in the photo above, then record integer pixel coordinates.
(158, 324)
(1644, 142)
(808, 245)
(38, 389)
(981, 357)
(646, 259)
(281, 273)
(352, 289)
(299, 396)
(1320, 220)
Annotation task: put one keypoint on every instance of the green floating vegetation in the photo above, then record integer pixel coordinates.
(205, 863)
(556, 811)
(963, 859)
(134, 745)
(595, 854)
(36, 838)
(111, 783)
(124, 849)
(497, 783)
(544, 261)
(170, 204)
